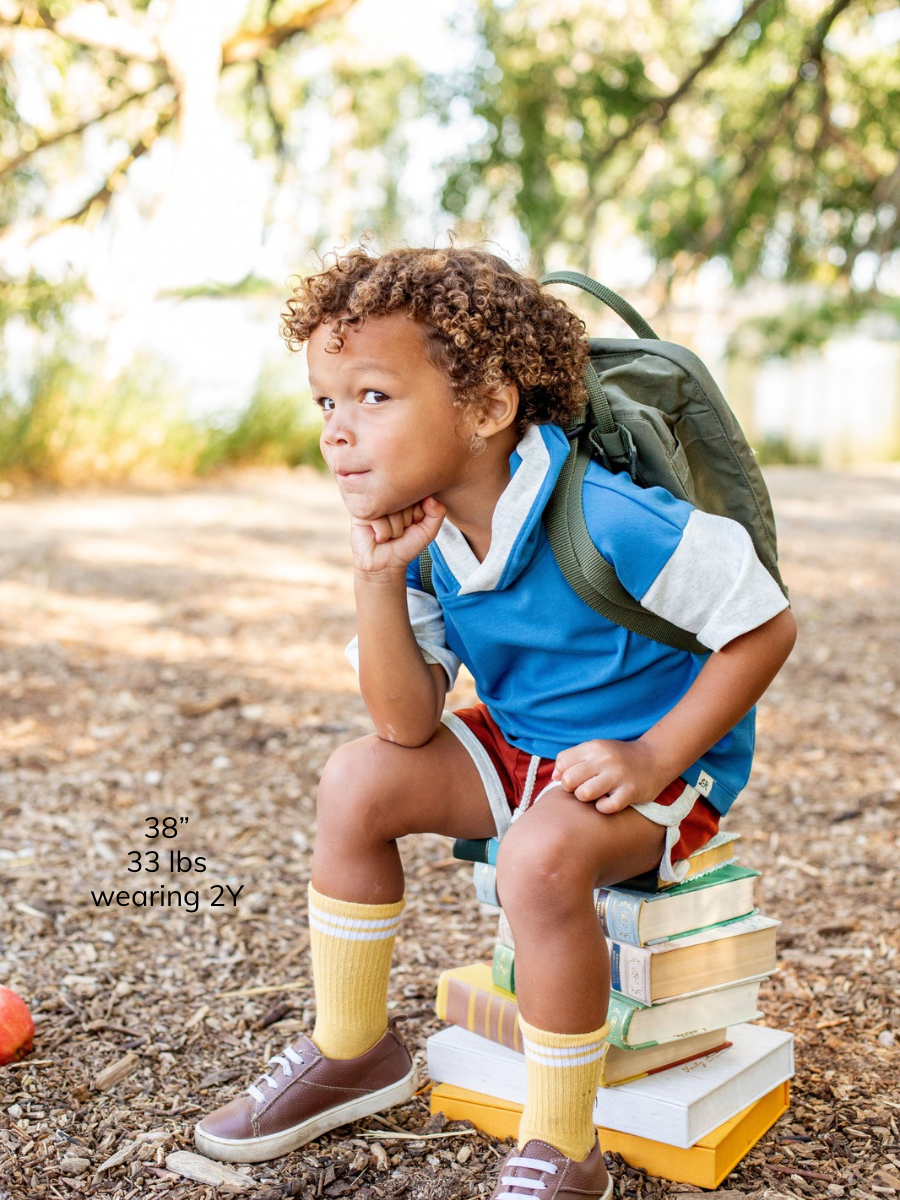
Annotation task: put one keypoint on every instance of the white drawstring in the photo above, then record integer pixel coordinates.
(529, 784)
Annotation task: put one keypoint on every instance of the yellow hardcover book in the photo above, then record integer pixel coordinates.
(467, 996)
(705, 1164)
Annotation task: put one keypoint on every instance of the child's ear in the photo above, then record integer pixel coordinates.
(498, 410)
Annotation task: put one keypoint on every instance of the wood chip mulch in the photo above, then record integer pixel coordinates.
(181, 655)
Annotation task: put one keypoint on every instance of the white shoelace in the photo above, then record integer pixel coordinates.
(284, 1061)
(526, 1187)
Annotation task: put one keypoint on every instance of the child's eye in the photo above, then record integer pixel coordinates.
(325, 403)
(378, 396)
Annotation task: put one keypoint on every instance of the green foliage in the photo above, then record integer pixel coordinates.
(773, 144)
(778, 452)
(549, 93)
(36, 300)
(271, 431)
(791, 180)
(250, 285)
(808, 326)
(74, 425)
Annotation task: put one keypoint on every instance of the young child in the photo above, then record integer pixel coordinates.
(443, 377)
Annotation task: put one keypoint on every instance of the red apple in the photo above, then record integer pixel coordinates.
(16, 1027)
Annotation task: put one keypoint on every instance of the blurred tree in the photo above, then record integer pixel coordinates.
(111, 78)
(767, 134)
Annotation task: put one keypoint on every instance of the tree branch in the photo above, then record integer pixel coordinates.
(745, 178)
(114, 180)
(52, 138)
(657, 112)
(100, 199)
(274, 119)
(91, 26)
(248, 44)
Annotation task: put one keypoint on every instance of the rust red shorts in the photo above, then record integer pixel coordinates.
(505, 772)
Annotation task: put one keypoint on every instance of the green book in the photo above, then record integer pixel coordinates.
(503, 969)
(633, 1026)
(642, 918)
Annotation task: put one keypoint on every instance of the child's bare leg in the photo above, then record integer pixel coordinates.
(373, 792)
(549, 863)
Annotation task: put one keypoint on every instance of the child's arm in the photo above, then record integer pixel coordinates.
(403, 693)
(615, 774)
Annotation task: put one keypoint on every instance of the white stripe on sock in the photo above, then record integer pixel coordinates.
(351, 922)
(387, 929)
(562, 1056)
(575, 1061)
(540, 1048)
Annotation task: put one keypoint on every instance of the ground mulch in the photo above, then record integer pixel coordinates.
(181, 655)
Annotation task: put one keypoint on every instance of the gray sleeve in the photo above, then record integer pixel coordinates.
(714, 585)
(427, 622)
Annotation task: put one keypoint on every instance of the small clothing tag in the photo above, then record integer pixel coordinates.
(704, 784)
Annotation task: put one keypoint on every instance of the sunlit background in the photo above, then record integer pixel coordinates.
(733, 169)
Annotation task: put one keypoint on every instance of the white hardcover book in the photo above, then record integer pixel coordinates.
(676, 1107)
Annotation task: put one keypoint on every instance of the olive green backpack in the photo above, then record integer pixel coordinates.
(654, 411)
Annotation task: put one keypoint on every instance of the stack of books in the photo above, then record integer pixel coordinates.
(687, 1085)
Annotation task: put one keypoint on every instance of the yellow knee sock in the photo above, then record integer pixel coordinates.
(563, 1076)
(351, 956)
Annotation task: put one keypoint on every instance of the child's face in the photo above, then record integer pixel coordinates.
(391, 434)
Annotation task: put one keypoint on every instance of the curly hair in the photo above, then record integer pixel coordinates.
(485, 324)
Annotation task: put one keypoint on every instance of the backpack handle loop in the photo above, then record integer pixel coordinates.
(611, 299)
(611, 443)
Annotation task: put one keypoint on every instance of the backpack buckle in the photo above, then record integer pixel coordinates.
(615, 451)
(574, 432)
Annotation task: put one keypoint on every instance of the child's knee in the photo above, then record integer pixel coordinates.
(539, 869)
(359, 790)
(349, 779)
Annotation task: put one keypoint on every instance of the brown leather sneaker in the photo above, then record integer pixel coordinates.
(537, 1170)
(307, 1096)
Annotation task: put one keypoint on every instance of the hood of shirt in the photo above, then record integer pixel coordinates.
(534, 467)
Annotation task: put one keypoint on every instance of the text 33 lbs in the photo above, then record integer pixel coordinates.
(148, 860)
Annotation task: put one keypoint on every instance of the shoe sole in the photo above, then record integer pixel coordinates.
(273, 1145)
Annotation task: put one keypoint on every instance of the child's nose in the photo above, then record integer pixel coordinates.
(338, 430)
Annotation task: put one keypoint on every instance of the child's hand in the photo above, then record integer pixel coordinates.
(391, 542)
(610, 774)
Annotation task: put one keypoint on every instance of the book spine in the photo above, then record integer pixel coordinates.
(496, 1017)
(503, 969)
(484, 876)
(679, 1062)
(619, 1016)
(630, 968)
(493, 1017)
(620, 915)
(483, 850)
(504, 931)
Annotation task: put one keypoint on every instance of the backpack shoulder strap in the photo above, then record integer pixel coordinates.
(586, 570)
